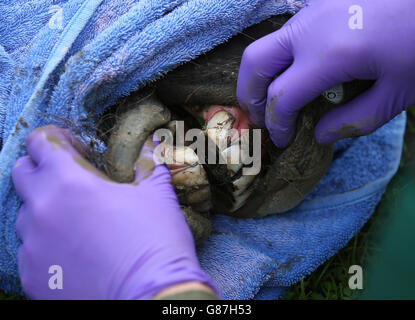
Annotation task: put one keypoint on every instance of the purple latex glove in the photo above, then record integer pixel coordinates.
(112, 241)
(325, 44)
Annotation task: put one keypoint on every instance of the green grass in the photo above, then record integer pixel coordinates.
(330, 280)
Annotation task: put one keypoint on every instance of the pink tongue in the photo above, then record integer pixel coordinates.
(241, 120)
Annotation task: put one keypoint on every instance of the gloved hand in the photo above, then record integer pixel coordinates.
(325, 44)
(111, 241)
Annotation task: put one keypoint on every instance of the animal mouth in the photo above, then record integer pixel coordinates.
(202, 95)
(225, 186)
(202, 186)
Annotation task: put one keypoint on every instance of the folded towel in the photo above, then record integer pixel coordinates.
(258, 258)
(71, 59)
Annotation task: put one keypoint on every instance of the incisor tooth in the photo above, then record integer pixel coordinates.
(220, 120)
(179, 155)
(219, 128)
(241, 199)
(232, 158)
(190, 177)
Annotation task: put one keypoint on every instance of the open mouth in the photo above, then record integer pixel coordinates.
(229, 133)
(220, 179)
(202, 95)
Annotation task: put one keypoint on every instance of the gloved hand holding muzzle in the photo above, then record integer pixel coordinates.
(328, 43)
(110, 240)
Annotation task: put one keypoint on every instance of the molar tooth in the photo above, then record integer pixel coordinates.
(219, 128)
(190, 177)
(179, 155)
(185, 155)
(232, 158)
(220, 120)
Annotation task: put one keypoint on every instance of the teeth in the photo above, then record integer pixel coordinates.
(240, 200)
(244, 145)
(218, 128)
(232, 158)
(242, 183)
(242, 191)
(183, 155)
(220, 120)
(184, 168)
(190, 178)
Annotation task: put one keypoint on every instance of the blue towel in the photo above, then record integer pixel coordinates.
(71, 59)
(259, 258)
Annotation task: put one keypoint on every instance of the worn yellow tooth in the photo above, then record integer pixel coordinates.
(220, 120)
(185, 155)
(232, 158)
(174, 155)
(242, 183)
(243, 142)
(219, 128)
(190, 177)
